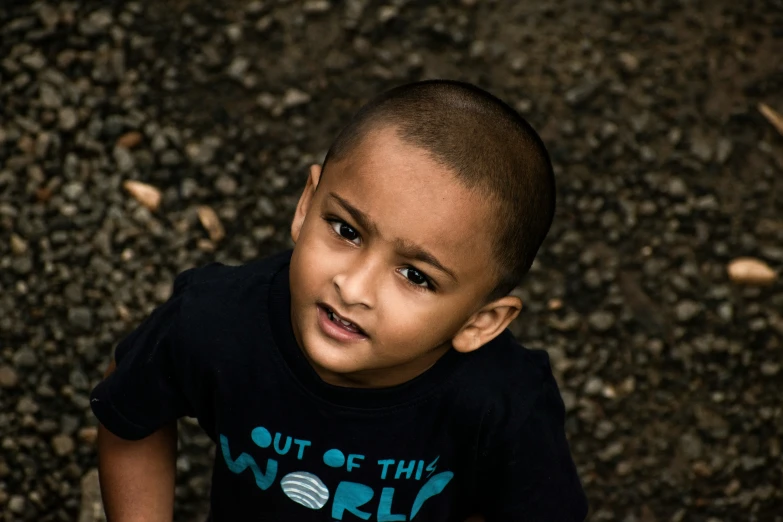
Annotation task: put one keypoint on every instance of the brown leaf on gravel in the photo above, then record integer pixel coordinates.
(129, 140)
(772, 116)
(43, 194)
(211, 222)
(751, 271)
(145, 194)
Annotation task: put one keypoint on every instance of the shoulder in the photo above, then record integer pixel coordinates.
(512, 382)
(219, 278)
(217, 294)
(508, 369)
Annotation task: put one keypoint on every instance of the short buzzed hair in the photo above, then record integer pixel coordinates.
(487, 145)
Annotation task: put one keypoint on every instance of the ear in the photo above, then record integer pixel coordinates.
(486, 324)
(305, 200)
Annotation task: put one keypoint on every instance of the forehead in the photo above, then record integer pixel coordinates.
(413, 199)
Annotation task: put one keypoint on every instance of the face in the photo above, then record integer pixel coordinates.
(391, 242)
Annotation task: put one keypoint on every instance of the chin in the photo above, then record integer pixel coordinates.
(334, 359)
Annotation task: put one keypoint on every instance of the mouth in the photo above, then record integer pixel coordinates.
(336, 326)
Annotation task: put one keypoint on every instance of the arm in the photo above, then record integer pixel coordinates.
(137, 477)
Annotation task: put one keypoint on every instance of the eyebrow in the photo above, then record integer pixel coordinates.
(404, 247)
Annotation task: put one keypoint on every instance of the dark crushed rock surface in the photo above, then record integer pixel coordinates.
(670, 372)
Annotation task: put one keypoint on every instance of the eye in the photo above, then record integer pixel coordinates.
(343, 230)
(418, 279)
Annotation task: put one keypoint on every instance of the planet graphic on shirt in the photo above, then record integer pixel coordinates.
(305, 489)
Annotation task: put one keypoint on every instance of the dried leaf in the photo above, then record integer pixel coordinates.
(751, 271)
(772, 116)
(43, 194)
(145, 194)
(555, 304)
(129, 140)
(211, 222)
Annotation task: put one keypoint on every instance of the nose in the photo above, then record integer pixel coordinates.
(356, 282)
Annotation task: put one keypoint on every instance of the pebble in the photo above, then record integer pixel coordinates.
(17, 504)
(8, 377)
(226, 185)
(18, 245)
(80, 317)
(691, 446)
(593, 386)
(26, 405)
(68, 119)
(25, 358)
(316, 6)
(62, 445)
(687, 310)
(91, 506)
(88, 435)
(580, 94)
(295, 97)
(124, 159)
(629, 62)
(601, 321)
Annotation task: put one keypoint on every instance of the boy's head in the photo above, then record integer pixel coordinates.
(446, 167)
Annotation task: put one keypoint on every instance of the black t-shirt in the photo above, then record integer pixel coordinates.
(476, 433)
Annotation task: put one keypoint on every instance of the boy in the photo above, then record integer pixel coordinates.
(368, 374)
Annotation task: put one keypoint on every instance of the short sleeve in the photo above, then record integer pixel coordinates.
(531, 475)
(144, 393)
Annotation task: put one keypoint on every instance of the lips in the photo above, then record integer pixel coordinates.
(341, 320)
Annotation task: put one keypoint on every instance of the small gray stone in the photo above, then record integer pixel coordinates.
(770, 368)
(295, 97)
(687, 310)
(25, 358)
(62, 445)
(96, 23)
(569, 323)
(22, 265)
(582, 93)
(629, 62)
(677, 188)
(709, 420)
(73, 190)
(593, 386)
(316, 6)
(569, 399)
(91, 509)
(8, 377)
(68, 119)
(701, 147)
(73, 292)
(691, 446)
(26, 405)
(124, 159)
(69, 424)
(601, 320)
(226, 185)
(238, 67)
(49, 96)
(725, 148)
(17, 504)
(78, 379)
(80, 317)
(34, 60)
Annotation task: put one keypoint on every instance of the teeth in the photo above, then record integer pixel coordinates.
(332, 317)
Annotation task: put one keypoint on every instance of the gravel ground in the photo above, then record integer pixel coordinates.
(667, 171)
